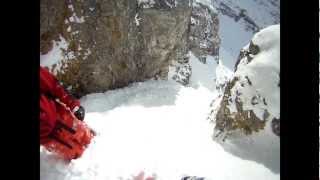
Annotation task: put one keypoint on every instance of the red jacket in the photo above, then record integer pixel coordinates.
(50, 89)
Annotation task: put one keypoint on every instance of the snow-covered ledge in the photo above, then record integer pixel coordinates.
(247, 118)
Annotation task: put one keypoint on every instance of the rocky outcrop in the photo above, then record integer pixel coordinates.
(115, 42)
(204, 38)
(108, 44)
(246, 115)
(182, 70)
(247, 53)
(250, 101)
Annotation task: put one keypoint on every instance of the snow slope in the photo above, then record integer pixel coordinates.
(159, 127)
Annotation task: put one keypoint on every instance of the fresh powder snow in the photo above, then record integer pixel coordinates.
(158, 127)
(161, 127)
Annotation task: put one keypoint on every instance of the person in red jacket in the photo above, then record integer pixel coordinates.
(55, 105)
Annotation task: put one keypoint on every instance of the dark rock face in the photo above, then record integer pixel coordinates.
(244, 120)
(204, 38)
(247, 53)
(165, 36)
(115, 42)
(51, 22)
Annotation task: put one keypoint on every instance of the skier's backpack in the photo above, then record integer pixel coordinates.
(70, 137)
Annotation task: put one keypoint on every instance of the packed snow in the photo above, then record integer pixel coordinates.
(158, 127)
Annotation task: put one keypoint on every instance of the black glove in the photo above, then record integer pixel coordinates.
(79, 112)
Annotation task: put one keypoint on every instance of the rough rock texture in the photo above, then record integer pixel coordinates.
(182, 70)
(251, 97)
(52, 18)
(165, 33)
(204, 38)
(244, 120)
(115, 42)
(112, 43)
(247, 53)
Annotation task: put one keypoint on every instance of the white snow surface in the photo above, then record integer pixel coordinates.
(158, 127)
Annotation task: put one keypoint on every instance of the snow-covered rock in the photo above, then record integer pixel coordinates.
(159, 4)
(204, 38)
(181, 71)
(250, 105)
(110, 44)
(93, 46)
(163, 4)
(251, 98)
(223, 75)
